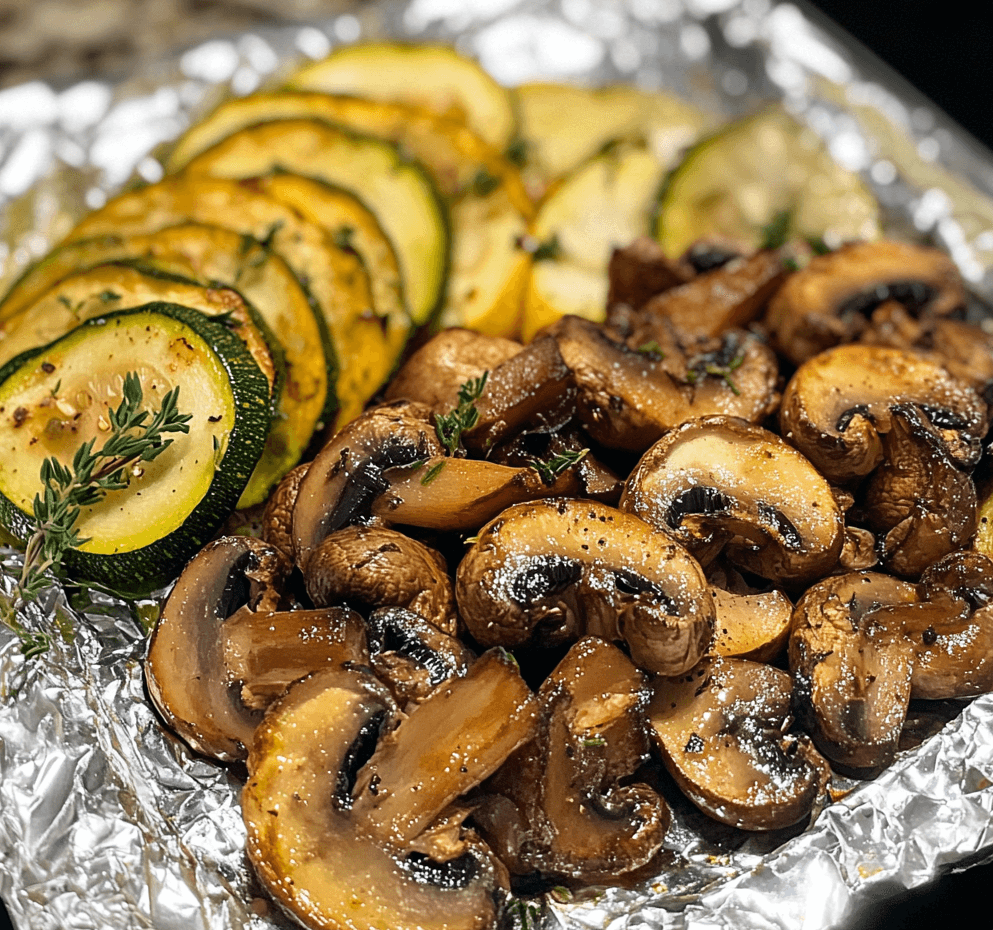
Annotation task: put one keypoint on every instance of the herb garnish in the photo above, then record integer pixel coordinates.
(135, 436)
(451, 426)
(557, 464)
(777, 232)
(719, 371)
(433, 472)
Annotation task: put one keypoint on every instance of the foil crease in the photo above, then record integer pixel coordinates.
(107, 820)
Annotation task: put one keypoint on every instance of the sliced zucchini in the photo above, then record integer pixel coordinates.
(368, 344)
(394, 188)
(212, 255)
(352, 227)
(563, 126)
(54, 399)
(456, 158)
(737, 181)
(117, 286)
(433, 76)
(604, 204)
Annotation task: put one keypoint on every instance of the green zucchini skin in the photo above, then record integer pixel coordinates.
(140, 571)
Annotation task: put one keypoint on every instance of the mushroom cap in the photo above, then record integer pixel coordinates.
(836, 407)
(347, 473)
(920, 498)
(574, 814)
(826, 302)
(372, 566)
(722, 729)
(301, 769)
(185, 671)
(852, 671)
(277, 518)
(719, 480)
(550, 571)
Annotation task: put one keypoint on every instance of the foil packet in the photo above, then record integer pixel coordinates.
(107, 820)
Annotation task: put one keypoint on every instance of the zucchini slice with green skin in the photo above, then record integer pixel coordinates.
(212, 255)
(54, 399)
(396, 189)
(738, 180)
(433, 76)
(368, 345)
(116, 286)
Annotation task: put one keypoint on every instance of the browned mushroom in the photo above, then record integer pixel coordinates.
(731, 295)
(641, 270)
(299, 793)
(277, 518)
(852, 666)
(627, 399)
(723, 731)
(750, 623)
(347, 473)
(837, 407)
(919, 500)
(551, 571)
(571, 814)
(372, 566)
(222, 650)
(826, 303)
(435, 372)
(720, 483)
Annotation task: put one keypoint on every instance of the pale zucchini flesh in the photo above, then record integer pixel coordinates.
(436, 77)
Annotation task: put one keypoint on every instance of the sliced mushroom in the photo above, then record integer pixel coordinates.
(277, 518)
(574, 816)
(347, 474)
(373, 566)
(852, 669)
(459, 495)
(458, 736)
(827, 302)
(552, 571)
(837, 407)
(641, 270)
(187, 679)
(751, 624)
(723, 731)
(411, 655)
(719, 482)
(435, 372)
(627, 399)
(306, 843)
(731, 295)
(921, 503)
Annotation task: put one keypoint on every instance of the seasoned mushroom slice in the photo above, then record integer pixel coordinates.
(837, 406)
(372, 566)
(305, 842)
(435, 372)
(347, 474)
(185, 671)
(411, 655)
(919, 501)
(277, 518)
(723, 731)
(552, 571)
(719, 481)
(828, 301)
(628, 398)
(751, 624)
(458, 736)
(582, 821)
(641, 270)
(851, 667)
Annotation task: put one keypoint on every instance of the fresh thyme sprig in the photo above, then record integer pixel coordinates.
(557, 464)
(136, 436)
(719, 371)
(451, 426)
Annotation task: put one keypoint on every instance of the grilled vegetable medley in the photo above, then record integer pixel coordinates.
(584, 466)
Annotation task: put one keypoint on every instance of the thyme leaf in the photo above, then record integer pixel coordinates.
(451, 426)
(557, 464)
(136, 436)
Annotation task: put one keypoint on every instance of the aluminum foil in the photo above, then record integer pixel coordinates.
(107, 820)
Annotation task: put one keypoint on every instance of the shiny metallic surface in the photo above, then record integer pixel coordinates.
(106, 820)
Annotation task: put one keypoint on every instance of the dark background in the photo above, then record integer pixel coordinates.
(945, 49)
